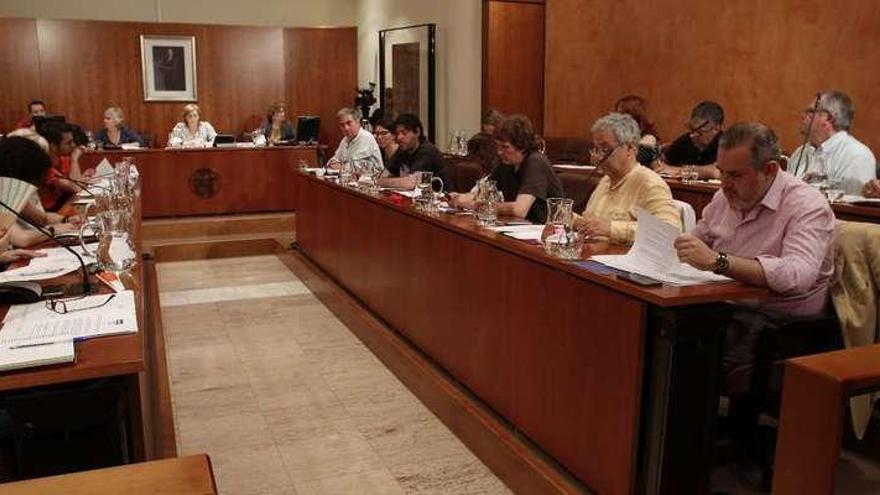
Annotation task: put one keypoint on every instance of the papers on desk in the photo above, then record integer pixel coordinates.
(104, 168)
(403, 192)
(37, 355)
(521, 232)
(92, 316)
(130, 146)
(861, 200)
(653, 255)
(57, 262)
(573, 166)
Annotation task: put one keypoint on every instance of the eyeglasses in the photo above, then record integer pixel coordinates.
(599, 154)
(698, 130)
(61, 306)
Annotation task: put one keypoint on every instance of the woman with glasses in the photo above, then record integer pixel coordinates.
(610, 212)
(383, 131)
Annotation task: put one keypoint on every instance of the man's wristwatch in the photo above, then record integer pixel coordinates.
(722, 263)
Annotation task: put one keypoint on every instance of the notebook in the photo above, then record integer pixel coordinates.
(38, 355)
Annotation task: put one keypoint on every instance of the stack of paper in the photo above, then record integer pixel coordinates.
(521, 232)
(653, 255)
(36, 355)
(57, 262)
(92, 316)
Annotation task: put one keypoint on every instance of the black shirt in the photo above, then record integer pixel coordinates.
(683, 152)
(425, 158)
(534, 176)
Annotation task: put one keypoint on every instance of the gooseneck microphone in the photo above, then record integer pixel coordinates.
(797, 166)
(86, 286)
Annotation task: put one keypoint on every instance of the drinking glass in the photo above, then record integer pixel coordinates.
(817, 173)
(834, 192)
(487, 199)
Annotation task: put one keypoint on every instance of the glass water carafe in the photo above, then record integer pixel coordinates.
(559, 237)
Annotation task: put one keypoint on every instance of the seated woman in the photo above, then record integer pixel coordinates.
(610, 212)
(115, 133)
(636, 107)
(524, 176)
(483, 151)
(383, 131)
(193, 132)
(26, 158)
(277, 129)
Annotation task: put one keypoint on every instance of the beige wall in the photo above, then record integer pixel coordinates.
(459, 53)
(259, 12)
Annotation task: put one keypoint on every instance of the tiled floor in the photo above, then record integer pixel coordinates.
(286, 400)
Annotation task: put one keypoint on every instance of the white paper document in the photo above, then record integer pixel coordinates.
(57, 262)
(653, 255)
(573, 166)
(521, 232)
(32, 324)
(37, 355)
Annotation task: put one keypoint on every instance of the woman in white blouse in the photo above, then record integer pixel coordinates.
(192, 132)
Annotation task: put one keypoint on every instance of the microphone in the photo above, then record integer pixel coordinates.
(797, 166)
(86, 286)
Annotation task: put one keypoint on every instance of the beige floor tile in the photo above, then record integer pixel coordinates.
(332, 455)
(244, 432)
(378, 482)
(283, 396)
(257, 471)
(449, 475)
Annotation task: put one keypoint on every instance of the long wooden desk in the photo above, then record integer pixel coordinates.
(210, 181)
(180, 476)
(136, 361)
(616, 382)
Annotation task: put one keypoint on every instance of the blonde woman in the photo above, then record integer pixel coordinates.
(193, 132)
(115, 134)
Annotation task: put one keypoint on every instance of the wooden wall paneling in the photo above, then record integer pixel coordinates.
(513, 58)
(20, 60)
(676, 53)
(321, 68)
(241, 72)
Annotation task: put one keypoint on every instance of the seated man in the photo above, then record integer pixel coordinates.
(357, 143)
(525, 176)
(849, 164)
(414, 154)
(610, 211)
(36, 108)
(764, 228)
(699, 146)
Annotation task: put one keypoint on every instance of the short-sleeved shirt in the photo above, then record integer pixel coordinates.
(682, 151)
(534, 176)
(425, 158)
(362, 147)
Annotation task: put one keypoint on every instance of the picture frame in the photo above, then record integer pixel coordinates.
(168, 66)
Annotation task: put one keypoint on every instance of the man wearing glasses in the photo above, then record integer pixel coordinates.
(848, 164)
(699, 145)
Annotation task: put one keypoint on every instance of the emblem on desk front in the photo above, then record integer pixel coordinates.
(204, 182)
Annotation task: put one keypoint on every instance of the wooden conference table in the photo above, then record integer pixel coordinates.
(136, 362)
(616, 382)
(211, 181)
(579, 182)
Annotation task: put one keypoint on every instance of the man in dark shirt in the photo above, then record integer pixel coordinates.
(533, 179)
(415, 154)
(699, 146)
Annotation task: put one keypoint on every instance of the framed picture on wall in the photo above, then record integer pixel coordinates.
(168, 64)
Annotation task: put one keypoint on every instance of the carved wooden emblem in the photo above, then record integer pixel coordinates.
(204, 182)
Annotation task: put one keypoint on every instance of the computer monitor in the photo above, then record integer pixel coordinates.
(40, 120)
(307, 127)
(224, 141)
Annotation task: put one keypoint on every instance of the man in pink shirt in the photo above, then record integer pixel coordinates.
(767, 228)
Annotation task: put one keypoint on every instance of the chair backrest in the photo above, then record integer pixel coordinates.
(688, 215)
